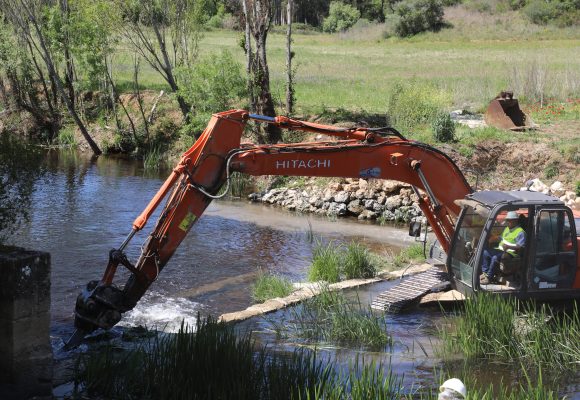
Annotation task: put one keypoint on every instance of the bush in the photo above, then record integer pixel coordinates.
(540, 12)
(443, 128)
(413, 103)
(269, 286)
(416, 16)
(577, 188)
(214, 84)
(340, 17)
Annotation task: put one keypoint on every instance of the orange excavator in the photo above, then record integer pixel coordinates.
(464, 222)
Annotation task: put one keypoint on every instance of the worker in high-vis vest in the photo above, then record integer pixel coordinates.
(513, 238)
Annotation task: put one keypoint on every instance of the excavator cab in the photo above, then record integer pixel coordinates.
(546, 267)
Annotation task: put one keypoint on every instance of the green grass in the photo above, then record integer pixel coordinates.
(152, 159)
(503, 329)
(331, 317)
(332, 262)
(413, 253)
(358, 262)
(212, 361)
(326, 263)
(269, 286)
(337, 71)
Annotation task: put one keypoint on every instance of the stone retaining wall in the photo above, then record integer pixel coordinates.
(25, 350)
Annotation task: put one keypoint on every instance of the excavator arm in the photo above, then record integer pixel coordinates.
(381, 153)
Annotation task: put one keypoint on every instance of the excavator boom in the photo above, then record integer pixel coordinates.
(381, 153)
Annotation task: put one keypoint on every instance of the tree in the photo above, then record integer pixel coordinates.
(289, 55)
(258, 15)
(29, 23)
(176, 27)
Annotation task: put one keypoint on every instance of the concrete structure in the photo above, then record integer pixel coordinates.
(25, 351)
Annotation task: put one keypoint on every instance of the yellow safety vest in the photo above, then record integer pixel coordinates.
(509, 237)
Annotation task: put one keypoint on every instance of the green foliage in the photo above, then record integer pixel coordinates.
(214, 84)
(413, 253)
(325, 263)
(494, 327)
(414, 103)
(20, 167)
(152, 159)
(330, 316)
(552, 169)
(341, 16)
(577, 189)
(443, 128)
(269, 286)
(66, 137)
(357, 262)
(416, 16)
(560, 12)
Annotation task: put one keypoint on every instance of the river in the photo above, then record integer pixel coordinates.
(84, 206)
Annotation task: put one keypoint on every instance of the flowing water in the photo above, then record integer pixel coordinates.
(84, 206)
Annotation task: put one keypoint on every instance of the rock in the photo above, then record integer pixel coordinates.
(538, 186)
(360, 194)
(393, 202)
(577, 204)
(355, 207)
(342, 197)
(368, 214)
(328, 195)
(570, 195)
(336, 186)
(391, 186)
(362, 183)
(336, 209)
(557, 189)
(381, 199)
(315, 201)
(388, 215)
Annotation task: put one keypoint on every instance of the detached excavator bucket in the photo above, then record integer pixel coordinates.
(504, 112)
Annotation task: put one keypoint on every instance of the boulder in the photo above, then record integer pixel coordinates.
(355, 207)
(342, 197)
(557, 189)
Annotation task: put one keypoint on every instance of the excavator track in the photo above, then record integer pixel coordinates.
(410, 289)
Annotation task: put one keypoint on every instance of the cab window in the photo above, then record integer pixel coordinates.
(555, 259)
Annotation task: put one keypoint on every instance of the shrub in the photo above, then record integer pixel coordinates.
(340, 17)
(552, 169)
(214, 84)
(416, 16)
(413, 103)
(540, 12)
(577, 188)
(443, 128)
(357, 262)
(269, 286)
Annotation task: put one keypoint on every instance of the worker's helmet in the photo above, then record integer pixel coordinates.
(454, 386)
(511, 215)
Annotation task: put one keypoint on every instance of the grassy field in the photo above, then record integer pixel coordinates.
(472, 61)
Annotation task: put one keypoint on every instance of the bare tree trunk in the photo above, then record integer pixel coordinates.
(260, 16)
(249, 58)
(69, 65)
(289, 56)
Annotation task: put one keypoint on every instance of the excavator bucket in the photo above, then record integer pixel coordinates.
(504, 112)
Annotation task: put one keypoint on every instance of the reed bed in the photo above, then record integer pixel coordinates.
(332, 318)
(213, 362)
(269, 286)
(331, 262)
(492, 327)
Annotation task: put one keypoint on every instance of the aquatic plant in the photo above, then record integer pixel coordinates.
(357, 262)
(413, 253)
(492, 327)
(269, 286)
(325, 263)
(152, 159)
(331, 317)
(212, 361)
